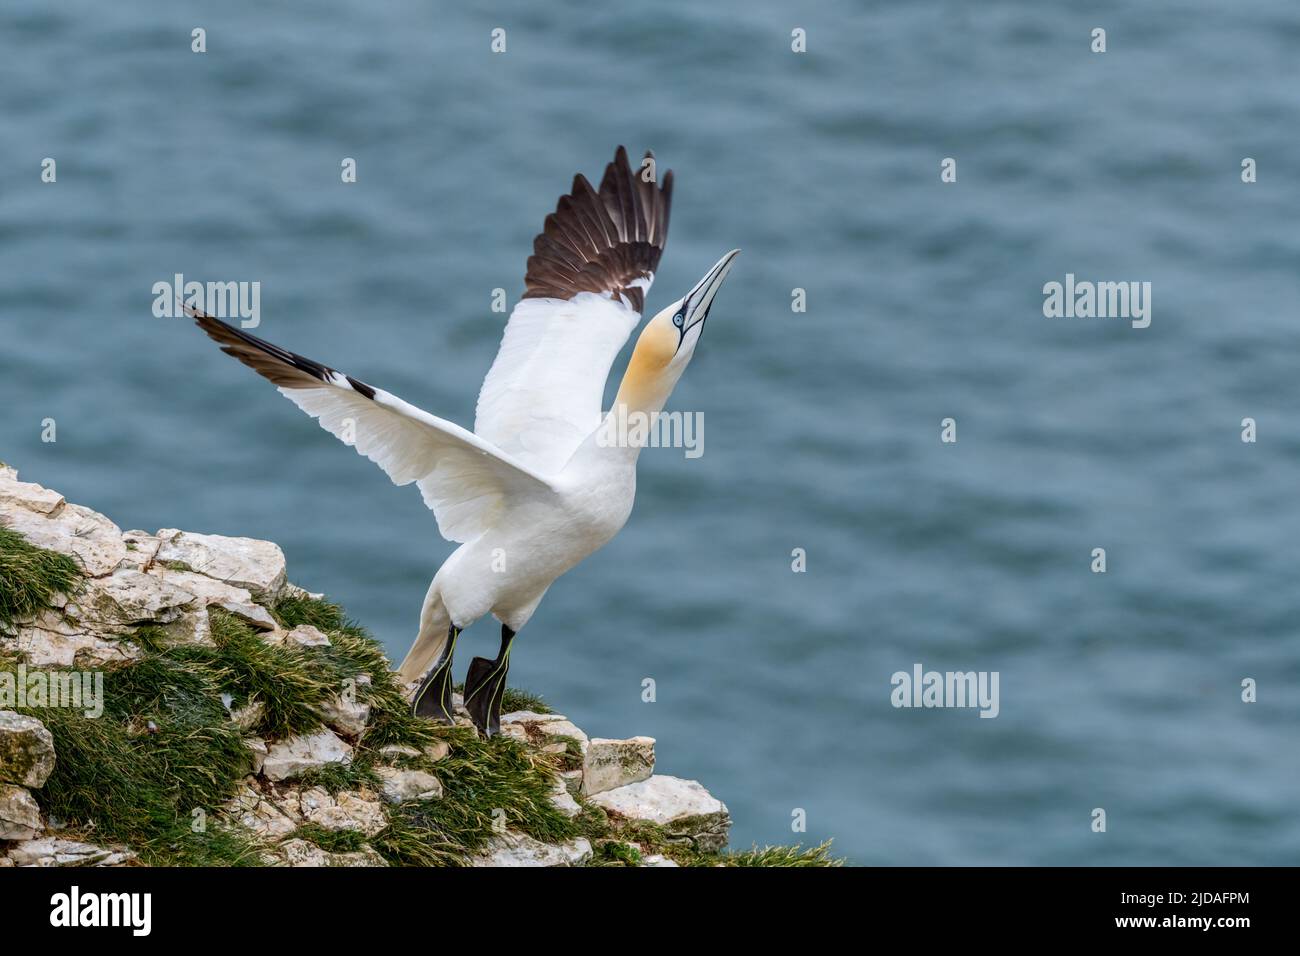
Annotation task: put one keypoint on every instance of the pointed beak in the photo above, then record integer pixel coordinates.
(695, 307)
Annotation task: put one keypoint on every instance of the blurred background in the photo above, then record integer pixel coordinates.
(924, 301)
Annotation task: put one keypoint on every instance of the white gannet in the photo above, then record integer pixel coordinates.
(537, 486)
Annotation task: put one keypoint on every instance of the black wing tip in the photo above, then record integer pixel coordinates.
(609, 237)
(361, 387)
(279, 366)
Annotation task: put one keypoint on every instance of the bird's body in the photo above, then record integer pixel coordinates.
(506, 571)
(537, 486)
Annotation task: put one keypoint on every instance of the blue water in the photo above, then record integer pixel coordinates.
(1119, 691)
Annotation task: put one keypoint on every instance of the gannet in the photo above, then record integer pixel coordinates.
(536, 486)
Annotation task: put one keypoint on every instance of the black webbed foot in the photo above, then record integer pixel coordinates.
(485, 687)
(433, 698)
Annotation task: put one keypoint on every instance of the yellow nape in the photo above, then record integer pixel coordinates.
(646, 384)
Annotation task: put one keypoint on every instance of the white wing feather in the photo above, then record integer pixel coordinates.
(464, 480)
(543, 395)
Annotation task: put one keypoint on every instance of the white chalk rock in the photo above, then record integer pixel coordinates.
(191, 627)
(210, 592)
(253, 614)
(250, 809)
(26, 750)
(302, 853)
(658, 859)
(48, 640)
(257, 566)
(292, 590)
(347, 713)
(350, 810)
(129, 596)
(86, 535)
(437, 750)
(26, 494)
(304, 635)
(609, 764)
(685, 811)
(258, 749)
(399, 786)
(206, 590)
(295, 756)
(392, 752)
(52, 851)
(141, 549)
(20, 817)
(544, 731)
(519, 849)
(572, 781)
(563, 800)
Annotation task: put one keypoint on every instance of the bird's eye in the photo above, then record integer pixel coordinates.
(678, 319)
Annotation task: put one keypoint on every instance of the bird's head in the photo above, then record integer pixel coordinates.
(678, 328)
(668, 341)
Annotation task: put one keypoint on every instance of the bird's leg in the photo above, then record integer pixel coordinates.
(433, 699)
(485, 686)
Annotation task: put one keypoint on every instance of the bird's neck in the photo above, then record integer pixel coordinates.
(648, 382)
(650, 376)
(645, 390)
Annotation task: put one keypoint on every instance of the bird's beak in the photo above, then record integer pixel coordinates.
(695, 306)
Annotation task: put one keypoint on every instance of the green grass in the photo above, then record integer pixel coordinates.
(152, 771)
(337, 777)
(572, 757)
(352, 652)
(295, 610)
(30, 577)
(626, 842)
(117, 778)
(483, 781)
(614, 853)
(161, 750)
(150, 637)
(517, 699)
(332, 841)
(782, 856)
(283, 680)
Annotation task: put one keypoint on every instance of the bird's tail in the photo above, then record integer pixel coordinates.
(434, 624)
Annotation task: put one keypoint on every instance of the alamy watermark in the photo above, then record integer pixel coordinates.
(76, 690)
(223, 300)
(922, 688)
(1098, 300)
(624, 428)
(74, 908)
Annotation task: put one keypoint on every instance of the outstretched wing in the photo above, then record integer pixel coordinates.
(464, 479)
(585, 289)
